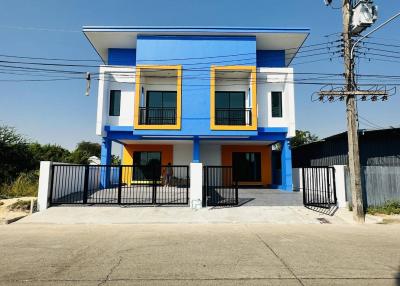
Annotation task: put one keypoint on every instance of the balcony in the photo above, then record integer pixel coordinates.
(158, 95)
(233, 98)
(233, 116)
(157, 116)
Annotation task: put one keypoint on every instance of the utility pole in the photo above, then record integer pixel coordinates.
(351, 110)
(351, 92)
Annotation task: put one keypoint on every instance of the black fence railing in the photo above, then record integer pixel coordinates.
(220, 188)
(233, 116)
(157, 116)
(123, 184)
(319, 187)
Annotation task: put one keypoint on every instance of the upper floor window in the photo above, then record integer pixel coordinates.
(115, 103)
(276, 104)
(159, 109)
(230, 108)
(237, 109)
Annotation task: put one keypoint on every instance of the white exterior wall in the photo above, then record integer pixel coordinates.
(276, 79)
(210, 154)
(118, 78)
(268, 80)
(183, 153)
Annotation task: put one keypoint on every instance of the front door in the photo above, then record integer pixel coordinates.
(247, 167)
(148, 165)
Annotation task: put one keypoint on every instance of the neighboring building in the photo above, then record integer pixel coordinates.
(377, 148)
(94, 160)
(219, 96)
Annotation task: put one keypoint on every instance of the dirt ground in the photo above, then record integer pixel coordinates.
(389, 218)
(7, 214)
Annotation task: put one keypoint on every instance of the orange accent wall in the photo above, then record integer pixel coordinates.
(127, 156)
(266, 166)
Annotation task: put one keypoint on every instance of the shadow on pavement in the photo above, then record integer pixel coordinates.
(327, 211)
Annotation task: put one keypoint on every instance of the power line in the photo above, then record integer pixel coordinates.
(171, 59)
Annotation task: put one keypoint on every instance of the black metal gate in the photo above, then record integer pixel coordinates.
(220, 187)
(123, 184)
(319, 188)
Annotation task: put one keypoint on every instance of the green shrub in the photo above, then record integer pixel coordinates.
(389, 208)
(26, 185)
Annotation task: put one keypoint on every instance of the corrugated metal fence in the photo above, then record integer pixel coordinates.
(379, 183)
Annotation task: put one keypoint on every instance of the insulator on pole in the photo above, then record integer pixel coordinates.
(87, 84)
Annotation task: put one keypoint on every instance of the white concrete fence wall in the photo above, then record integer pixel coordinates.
(70, 179)
(196, 183)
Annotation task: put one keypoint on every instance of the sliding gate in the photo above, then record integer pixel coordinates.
(319, 189)
(123, 184)
(220, 186)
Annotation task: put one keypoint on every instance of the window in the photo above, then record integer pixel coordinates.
(276, 103)
(161, 99)
(229, 100)
(147, 165)
(247, 166)
(115, 102)
(233, 110)
(160, 108)
(230, 108)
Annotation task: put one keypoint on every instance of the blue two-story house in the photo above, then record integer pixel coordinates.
(220, 96)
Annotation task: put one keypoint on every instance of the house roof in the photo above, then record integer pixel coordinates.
(363, 132)
(104, 37)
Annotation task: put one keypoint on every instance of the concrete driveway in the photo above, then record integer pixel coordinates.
(239, 254)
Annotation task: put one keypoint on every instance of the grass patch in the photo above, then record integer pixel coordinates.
(389, 208)
(20, 205)
(26, 185)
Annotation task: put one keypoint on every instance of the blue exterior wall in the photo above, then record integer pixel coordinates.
(196, 54)
(122, 57)
(272, 59)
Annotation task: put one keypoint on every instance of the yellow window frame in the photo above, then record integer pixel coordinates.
(178, 69)
(253, 81)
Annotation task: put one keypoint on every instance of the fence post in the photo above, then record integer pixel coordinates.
(86, 184)
(205, 187)
(329, 189)
(236, 189)
(45, 185)
(154, 197)
(187, 183)
(50, 197)
(303, 174)
(334, 185)
(119, 183)
(340, 185)
(196, 186)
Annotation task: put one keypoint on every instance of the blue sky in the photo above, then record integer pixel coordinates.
(59, 112)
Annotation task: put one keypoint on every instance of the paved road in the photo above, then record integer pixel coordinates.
(193, 254)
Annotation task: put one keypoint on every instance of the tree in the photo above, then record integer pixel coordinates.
(302, 137)
(15, 156)
(48, 152)
(84, 150)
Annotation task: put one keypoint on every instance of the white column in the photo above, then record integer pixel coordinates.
(44, 185)
(340, 186)
(297, 176)
(196, 185)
